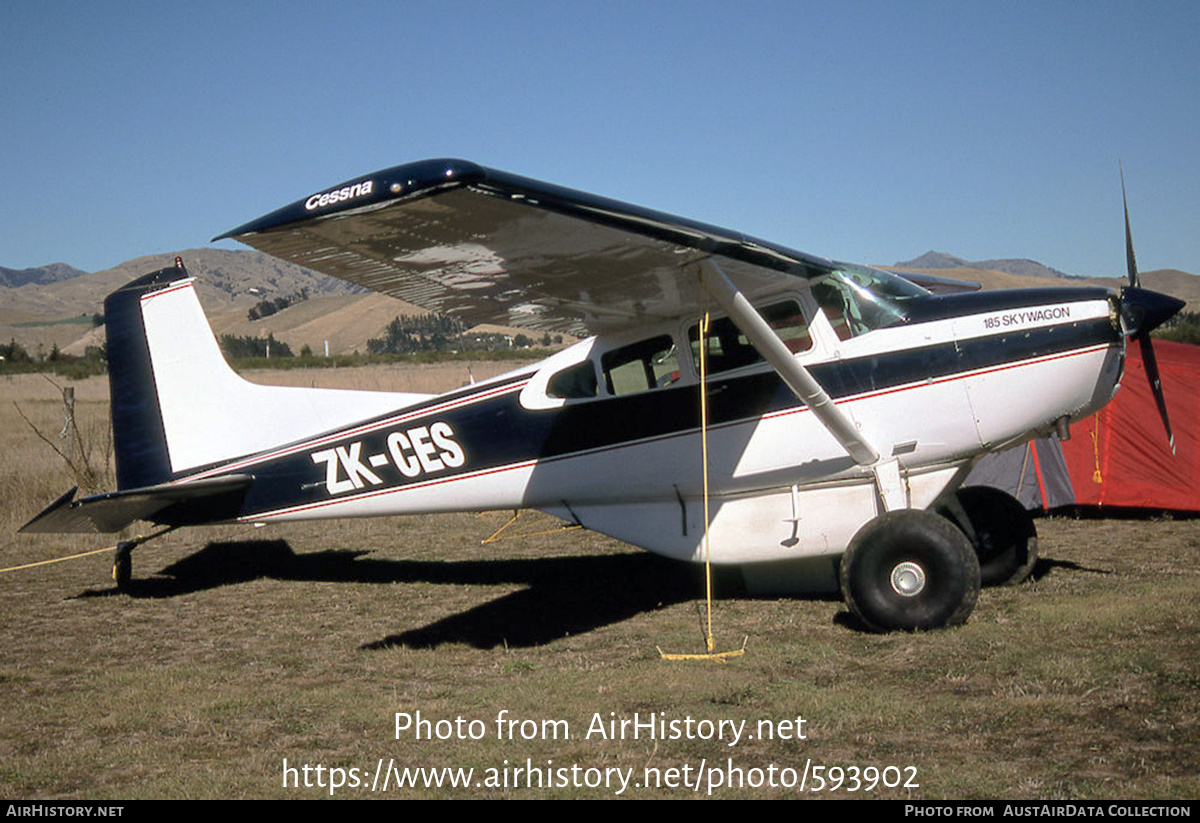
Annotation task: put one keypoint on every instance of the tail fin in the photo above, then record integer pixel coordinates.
(177, 407)
(139, 439)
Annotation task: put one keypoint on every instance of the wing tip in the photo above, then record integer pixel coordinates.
(394, 183)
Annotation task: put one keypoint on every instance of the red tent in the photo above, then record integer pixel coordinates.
(1118, 456)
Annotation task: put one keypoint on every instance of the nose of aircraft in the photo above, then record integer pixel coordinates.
(1143, 310)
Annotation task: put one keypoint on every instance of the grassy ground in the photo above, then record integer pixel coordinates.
(239, 649)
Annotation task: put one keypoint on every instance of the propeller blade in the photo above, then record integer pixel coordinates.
(1142, 311)
(1151, 364)
(1130, 260)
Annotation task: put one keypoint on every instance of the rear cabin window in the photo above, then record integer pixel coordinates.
(727, 348)
(574, 382)
(647, 364)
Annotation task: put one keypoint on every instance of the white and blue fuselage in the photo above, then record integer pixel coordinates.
(946, 380)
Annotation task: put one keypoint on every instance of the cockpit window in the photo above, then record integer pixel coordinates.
(727, 348)
(858, 299)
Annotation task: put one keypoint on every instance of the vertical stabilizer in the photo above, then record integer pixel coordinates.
(139, 440)
(178, 407)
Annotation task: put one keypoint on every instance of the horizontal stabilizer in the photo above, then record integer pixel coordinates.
(181, 504)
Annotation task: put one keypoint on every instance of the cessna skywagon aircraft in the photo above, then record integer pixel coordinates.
(837, 407)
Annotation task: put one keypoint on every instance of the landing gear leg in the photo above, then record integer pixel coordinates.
(122, 570)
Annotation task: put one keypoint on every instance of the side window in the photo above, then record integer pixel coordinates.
(647, 364)
(574, 382)
(727, 348)
(837, 308)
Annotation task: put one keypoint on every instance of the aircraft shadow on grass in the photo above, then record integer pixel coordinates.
(561, 595)
(1044, 567)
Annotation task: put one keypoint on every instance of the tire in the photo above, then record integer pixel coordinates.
(1005, 539)
(910, 570)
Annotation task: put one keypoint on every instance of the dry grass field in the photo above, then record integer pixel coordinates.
(273, 663)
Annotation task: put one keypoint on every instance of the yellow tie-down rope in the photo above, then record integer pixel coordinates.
(58, 559)
(711, 653)
(136, 541)
(502, 532)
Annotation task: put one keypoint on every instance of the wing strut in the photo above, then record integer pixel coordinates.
(773, 350)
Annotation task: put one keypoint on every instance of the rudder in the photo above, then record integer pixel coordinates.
(139, 439)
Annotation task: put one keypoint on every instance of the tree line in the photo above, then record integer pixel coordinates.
(423, 333)
(266, 308)
(1182, 328)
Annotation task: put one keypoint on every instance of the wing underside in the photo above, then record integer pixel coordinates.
(489, 247)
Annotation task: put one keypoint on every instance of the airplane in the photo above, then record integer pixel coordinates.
(731, 399)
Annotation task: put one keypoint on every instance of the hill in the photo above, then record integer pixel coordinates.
(55, 305)
(41, 313)
(42, 275)
(1018, 266)
(223, 279)
(1168, 281)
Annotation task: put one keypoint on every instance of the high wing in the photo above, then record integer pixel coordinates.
(490, 247)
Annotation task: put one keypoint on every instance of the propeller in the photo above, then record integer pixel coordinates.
(1142, 311)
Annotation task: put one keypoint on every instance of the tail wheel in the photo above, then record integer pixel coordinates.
(1005, 538)
(908, 570)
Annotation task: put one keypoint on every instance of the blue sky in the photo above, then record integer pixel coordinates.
(866, 131)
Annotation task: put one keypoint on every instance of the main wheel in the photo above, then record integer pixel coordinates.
(908, 570)
(1005, 538)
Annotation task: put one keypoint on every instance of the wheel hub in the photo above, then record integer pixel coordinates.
(908, 579)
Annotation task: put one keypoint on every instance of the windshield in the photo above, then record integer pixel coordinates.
(857, 299)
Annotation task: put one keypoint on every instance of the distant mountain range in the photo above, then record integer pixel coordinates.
(223, 278)
(53, 305)
(1022, 267)
(248, 274)
(48, 305)
(1020, 273)
(41, 275)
